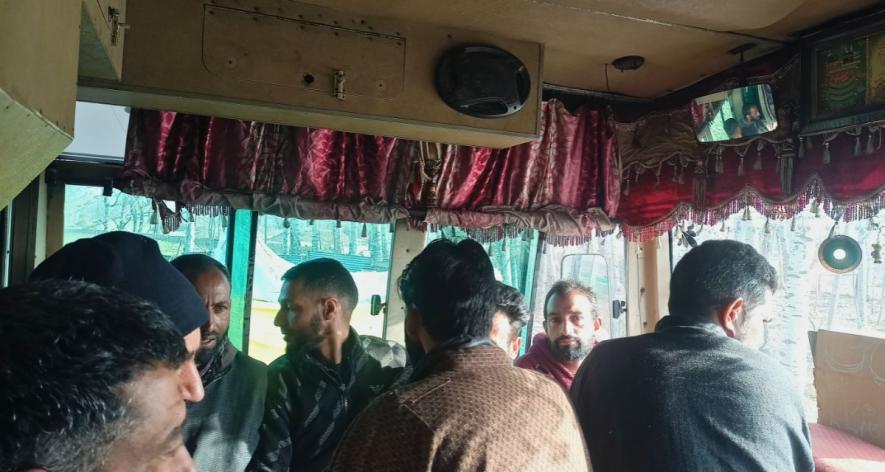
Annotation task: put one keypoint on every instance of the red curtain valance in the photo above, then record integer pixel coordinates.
(668, 176)
(564, 183)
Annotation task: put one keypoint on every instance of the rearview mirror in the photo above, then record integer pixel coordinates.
(734, 114)
(375, 305)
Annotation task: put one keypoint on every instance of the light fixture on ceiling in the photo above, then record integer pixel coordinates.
(628, 63)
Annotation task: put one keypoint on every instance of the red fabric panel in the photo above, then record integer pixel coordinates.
(194, 152)
(837, 451)
(573, 165)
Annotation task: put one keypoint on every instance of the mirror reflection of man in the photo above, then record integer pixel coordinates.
(328, 374)
(572, 327)
(510, 316)
(753, 122)
(221, 432)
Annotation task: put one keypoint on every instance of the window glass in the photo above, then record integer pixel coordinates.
(101, 131)
(89, 213)
(810, 297)
(600, 264)
(364, 249)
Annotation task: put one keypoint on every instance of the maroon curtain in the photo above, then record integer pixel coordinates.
(282, 170)
(844, 171)
(566, 183)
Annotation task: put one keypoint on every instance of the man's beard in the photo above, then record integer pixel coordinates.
(204, 356)
(310, 339)
(570, 352)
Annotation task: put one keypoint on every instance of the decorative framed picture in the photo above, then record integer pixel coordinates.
(843, 78)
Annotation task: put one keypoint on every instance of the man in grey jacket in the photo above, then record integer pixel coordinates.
(697, 395)
(221, 432)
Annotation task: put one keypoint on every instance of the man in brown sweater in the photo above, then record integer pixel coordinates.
(465, 407)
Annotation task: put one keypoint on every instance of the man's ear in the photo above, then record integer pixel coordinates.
(597, 323)
(729, 317)
(412, 323)
(331, 309)
(516, 345)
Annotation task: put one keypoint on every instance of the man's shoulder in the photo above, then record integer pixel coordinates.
(387, 353)
(249, 366)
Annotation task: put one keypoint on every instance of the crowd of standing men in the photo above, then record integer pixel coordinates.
(112, 358)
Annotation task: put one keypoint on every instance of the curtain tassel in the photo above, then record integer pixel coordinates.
(286, 223)
(364, 232)
(338, 224)
(626, 191)
(877, 253)
(809, 143)
(310, 222)
(526, 235)
(747, 216)
(224, 221)
(155, 217)
(870, 148)
(857, 143)
(800, 150)
(741, 167)
(722, 228)
(393, 226)
(793, 224)
(767, 226)
(827, 156)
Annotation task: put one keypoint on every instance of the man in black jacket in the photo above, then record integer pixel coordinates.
(328, 374)
(697, 395)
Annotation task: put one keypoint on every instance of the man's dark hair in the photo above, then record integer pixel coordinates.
(715, 274)
(453, 287)
(192, 265)
(67, 350)
(731, 125)
(327, 276)
(566, 286)
(509, 301)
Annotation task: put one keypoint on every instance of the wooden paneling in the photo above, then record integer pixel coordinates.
(38, 73)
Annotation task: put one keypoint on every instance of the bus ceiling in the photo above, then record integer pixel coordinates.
(367, 66)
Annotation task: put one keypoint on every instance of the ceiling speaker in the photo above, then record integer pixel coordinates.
(482, 81)
(840, 254)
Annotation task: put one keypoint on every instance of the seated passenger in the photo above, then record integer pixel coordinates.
(89, 381)
(221, 432)
(466, 408)
(697, 395)
(510, 316)
(328, 374)
(572, 325)
(133, 264)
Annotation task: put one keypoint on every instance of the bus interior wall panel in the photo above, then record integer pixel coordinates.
(226, 59)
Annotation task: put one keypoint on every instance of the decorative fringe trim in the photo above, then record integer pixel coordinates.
(812, 194)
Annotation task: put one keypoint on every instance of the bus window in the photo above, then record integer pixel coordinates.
(810, 297)
(88, 213)
(281, 243)
(605, 273)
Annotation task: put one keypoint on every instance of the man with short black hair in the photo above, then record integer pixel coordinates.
(572, 327)
(697, 394)
(221, 432)
(133, 263)
(510, 316)
(328, 374)
(450, 416)
(90, 381)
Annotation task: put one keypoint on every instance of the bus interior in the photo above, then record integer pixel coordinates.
(594, 140)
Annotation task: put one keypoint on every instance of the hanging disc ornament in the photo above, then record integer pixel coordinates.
(840, 254)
